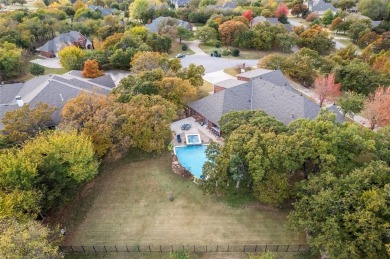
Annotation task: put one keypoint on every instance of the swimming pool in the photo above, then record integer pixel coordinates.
(192, 158)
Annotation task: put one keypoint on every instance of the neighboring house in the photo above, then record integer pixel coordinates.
(260, 89)
(153, 26)
(52, 47)
(320, 7)
(275, 21)
(103, 10)
(180, 3)
(55, 90)
(230, 4)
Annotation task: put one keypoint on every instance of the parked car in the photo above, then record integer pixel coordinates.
(180, 55)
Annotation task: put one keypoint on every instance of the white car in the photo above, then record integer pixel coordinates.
(180, 55)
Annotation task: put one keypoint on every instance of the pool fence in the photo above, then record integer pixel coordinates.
(175, 248)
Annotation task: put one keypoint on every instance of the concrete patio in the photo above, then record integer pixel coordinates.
(205, 134)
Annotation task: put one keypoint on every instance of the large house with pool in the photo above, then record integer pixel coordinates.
(260, 89)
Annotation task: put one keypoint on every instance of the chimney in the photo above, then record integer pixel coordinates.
(19, 101)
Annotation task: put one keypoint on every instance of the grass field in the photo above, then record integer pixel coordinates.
(128, 204)
(176, 49)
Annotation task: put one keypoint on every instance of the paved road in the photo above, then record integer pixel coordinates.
(212, 64)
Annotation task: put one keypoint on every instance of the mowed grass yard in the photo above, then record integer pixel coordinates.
(128, 204)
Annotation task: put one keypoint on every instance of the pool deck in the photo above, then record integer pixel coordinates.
(205, 134)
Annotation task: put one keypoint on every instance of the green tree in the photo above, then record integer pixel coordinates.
(192, 73)
(346, 216)
(143, 9)
(183, 33)
(351, 103)
(382, 143)
(36, 69)
(206, 34)
(375, 9)
(11, 61)
(345, 4)
(23, 123)
(177, 90)
(71, 57)
(357, 29)
(328, 17)
(64, 160)
(28, 239)
(359, 77)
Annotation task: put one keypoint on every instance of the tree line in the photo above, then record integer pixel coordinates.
(335, 175)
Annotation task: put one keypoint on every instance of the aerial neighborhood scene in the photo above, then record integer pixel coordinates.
(181, 129)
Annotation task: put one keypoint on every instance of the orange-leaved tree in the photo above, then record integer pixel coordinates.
(91, 69)
(326, 88)
(229, 29)
(377, 108)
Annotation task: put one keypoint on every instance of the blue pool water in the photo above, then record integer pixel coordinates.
(192, 158)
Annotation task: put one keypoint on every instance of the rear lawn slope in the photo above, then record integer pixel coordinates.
(129, 205)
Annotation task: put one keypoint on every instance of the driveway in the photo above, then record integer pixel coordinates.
(194, 46)
(212, 64)
(48, 62)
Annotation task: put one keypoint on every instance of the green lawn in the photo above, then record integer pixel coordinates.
(176, 49)
(244, 54)
(128, 204)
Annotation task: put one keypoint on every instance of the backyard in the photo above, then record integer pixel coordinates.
(128, 204)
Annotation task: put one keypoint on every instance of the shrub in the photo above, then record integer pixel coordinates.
(218, 44)
(311, 17)
(225, 52)
(235, 52)
(36, 69)
(184, 47)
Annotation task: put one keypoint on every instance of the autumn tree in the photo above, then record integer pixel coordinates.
(29, 239)
(71, 57)
(326, 88)
(315, 38)
(19, 197)
(299, 10)
(228, 30)
(24, 122)
(78, 5)
(345, 4)
(168, 27)
(91, 69)
(248, 15)
(148, 122)
(377, 109)
(145, 61)
(177, 90)
(282, 12)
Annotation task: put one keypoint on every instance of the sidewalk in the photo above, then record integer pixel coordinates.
(194, 46)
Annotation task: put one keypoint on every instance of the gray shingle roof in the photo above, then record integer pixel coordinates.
(230, 83)
(321, 6)
(64, 39)
(54, 90)
(103, 10)
(271, 94)
(181, 2)
(105, 80)
(153, 27)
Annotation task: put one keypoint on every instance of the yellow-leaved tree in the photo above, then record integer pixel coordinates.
(71, 57)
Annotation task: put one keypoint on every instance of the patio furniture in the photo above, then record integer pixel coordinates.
(186, 126)
(178, 138)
